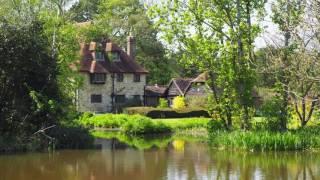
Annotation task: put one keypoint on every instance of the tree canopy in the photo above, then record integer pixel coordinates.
(116, 19)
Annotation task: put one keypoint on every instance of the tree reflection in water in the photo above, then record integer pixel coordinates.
(170, 158)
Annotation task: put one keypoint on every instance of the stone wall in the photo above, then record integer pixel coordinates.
(128, 87)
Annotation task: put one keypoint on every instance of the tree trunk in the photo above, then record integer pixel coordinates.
(284, 78)
(241, 80)
(284, 108)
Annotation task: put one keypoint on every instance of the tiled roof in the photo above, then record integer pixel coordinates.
(202, 78)
(182, 84)
(155, 90)
(125, 65)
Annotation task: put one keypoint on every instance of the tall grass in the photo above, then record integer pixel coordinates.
(302, 139)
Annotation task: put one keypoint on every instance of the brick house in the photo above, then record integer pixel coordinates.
(111, 77)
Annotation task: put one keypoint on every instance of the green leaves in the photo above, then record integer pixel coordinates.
(212, 37)
(288, 15)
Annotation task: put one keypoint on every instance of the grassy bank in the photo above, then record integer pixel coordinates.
(137, 124)
(303, 139)
(128, 124)
(255, 140)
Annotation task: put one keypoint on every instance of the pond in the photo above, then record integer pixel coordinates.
(165, 158)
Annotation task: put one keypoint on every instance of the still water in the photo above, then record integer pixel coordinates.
(177, 160)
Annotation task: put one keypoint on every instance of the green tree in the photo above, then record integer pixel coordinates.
(84, 10)
(37, 48)
(288, 15)
(216, 36)
(29, 92)
(116, 19)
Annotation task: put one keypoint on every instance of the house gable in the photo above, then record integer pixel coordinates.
(178, 86)
(197, 89)
(90, 64)
(112, 78)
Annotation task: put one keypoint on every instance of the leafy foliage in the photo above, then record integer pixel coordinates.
(143, 125)
(29, 91)
(270, 113)
(219, 42)
(178, 103)
(197, 102)
(37, 84)
(287, 15)
(84, 10)
(130, 124)
(163, 103)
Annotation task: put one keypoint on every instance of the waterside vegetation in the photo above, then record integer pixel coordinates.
(304, 139)
(137, 124)
(135, 128)
(40, 41)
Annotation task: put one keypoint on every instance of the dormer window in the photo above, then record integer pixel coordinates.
(114, 56)
(99, 56)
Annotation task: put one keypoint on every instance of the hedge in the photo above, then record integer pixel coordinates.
(166, 112)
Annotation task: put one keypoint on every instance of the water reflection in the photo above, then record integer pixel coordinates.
(179, 159)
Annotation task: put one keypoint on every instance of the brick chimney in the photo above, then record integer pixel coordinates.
(131, 46)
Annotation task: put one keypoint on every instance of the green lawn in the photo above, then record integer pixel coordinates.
(185, 123)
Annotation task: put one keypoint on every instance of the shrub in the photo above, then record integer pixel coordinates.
(71, 137)
(179, 103)
(103, 120)
(215, 126)
(129, 124)
(270, 111)
(197, 102)
(163, 103)
(166, 112)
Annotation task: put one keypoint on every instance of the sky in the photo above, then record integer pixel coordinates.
(270, 32)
